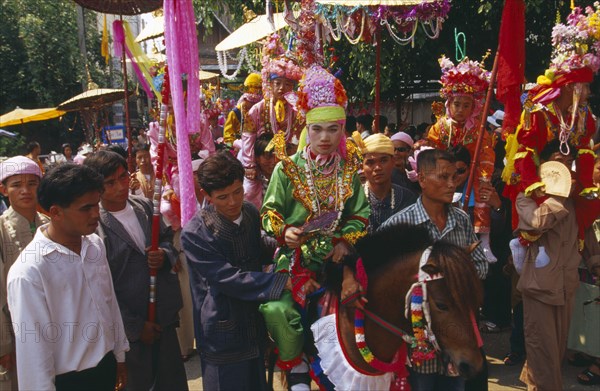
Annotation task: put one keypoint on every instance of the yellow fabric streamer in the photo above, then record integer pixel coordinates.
(325, 114)
(104, 45)
(140, 58)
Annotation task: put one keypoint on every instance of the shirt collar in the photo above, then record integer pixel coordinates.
(48, 246)
(422, 216)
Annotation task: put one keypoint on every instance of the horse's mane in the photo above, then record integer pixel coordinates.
(457, 267)
(391, 243)
(395, 243)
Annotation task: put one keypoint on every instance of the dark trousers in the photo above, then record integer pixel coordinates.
(102, 377)
(480, 381)
(435, 382)
(517, 335)
(157, 367)
(248, 375)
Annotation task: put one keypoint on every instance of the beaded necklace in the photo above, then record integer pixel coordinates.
(313, 191)
(368, 194)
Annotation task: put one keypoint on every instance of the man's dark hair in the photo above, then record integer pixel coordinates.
(261, 144)
(461, 154)
(31, 146)
(350, 124)
(554, 146)
(219, 171)
(140, 147)
(382, 122)
(105, 163)
(64, 183)
(118, 149)
(427, 160)
(365, 120)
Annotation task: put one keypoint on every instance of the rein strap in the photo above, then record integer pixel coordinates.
(389, 327)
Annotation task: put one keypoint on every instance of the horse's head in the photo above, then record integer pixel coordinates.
(454, 300)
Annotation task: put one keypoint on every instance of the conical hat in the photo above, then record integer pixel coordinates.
(557, 178)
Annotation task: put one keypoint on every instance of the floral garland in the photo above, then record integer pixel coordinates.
(576, 44)
(343, 19)
(422, 348)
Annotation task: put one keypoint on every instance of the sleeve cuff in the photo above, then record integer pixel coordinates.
(120, 357)
(531, 188)
(277, 289)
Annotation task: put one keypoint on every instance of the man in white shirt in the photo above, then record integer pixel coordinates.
(68, 328)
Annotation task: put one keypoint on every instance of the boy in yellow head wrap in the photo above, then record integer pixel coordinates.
(252, 95)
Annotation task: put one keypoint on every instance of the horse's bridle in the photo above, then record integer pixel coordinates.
(422, 279)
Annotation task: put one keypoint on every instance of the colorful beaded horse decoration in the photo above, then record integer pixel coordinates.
(430, 290)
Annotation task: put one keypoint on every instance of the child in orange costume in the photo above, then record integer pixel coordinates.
(464, 87)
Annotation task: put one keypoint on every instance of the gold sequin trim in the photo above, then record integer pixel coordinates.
(352, 237)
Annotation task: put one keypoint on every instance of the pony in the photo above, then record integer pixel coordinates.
(395, 258)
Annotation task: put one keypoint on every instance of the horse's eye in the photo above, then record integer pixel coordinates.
(441, 306)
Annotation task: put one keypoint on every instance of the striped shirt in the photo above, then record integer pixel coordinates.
(458, 231)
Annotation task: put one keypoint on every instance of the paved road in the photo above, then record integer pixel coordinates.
(501, 377)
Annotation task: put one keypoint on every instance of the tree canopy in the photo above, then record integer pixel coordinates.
(41, 64)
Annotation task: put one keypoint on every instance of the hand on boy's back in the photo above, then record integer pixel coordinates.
(156, 258)
(150, 333)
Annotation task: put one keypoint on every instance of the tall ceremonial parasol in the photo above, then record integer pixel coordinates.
(154, 29)
(123, 7)
(363, 21)
(93, 99)
(20, 116)
(132, 7)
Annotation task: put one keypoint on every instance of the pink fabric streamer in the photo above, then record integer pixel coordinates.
(119, 38)
(119, 44)
(182, 57)
(138, 73)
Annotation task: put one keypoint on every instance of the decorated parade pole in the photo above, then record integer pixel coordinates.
(377, 79)
(164, 113)
(481, 131)
(130, 166)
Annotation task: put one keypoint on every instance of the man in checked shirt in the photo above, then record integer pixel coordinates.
(434, 211)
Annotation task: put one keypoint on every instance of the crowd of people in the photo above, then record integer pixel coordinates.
(89, 300)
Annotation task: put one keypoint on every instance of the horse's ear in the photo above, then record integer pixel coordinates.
(431, 269)
(470, 248)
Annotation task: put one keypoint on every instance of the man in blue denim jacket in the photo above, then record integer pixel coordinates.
(222, 244)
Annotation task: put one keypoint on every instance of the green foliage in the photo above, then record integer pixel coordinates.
(40, 61)
(11, 146)
(230, 8)
(406, 69)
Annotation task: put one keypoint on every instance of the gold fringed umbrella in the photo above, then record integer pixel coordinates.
(93, 99)
(252, 31)
(154, 29)
(21, 116)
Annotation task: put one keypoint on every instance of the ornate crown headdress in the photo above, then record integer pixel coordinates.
(319, 88)
(276, 62)
(576, 43)
(467, 77)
